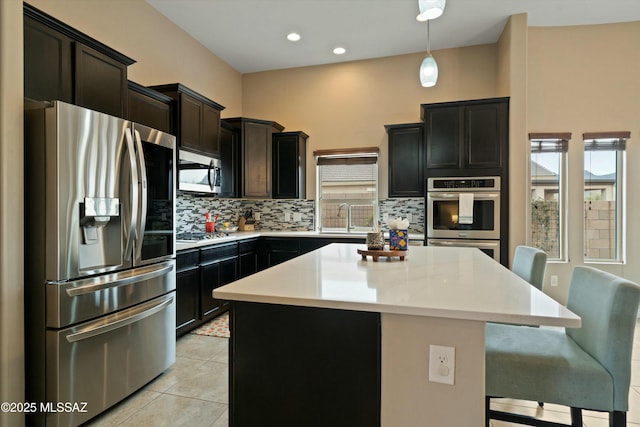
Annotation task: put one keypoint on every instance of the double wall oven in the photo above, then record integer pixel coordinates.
(464, 211)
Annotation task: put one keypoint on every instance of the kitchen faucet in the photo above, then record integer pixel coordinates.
(342, 205)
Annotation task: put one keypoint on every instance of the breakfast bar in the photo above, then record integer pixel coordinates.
(330, 338)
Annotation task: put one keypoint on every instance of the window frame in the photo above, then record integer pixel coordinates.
(609, 141)
(555, 142)
(357, 156)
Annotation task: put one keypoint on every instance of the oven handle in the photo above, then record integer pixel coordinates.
(456, 196)
(120, 279)
(140, 313)
(462, 243)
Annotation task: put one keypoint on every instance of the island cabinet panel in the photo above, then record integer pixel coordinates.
(289, 165)
(187, 290)
(62, 63)
(316, 366)
(197, 119)
(406, 160)
(150, 108)
(467, 137)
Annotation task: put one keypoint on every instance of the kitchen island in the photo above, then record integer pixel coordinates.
(331, 339)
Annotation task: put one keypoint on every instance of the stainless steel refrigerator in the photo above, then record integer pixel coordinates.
(99, 260)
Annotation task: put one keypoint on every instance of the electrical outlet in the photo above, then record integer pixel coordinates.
(409, 217)
(442, 364)
(287, 217)
(385, 217)
(297, 217)
(554, 280)
(256, 216)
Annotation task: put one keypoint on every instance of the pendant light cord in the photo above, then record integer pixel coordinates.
(428, 38)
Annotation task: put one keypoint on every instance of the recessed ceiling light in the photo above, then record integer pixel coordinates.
(293, 37)
(339, 50)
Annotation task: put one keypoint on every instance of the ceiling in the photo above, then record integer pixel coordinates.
(250, 35)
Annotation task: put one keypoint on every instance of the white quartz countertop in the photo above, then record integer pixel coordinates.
(241, 235)
(455, 283)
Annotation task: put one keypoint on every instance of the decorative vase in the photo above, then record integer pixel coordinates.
(375, 241)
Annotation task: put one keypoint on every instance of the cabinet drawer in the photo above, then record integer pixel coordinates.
(213, 253)
(187, 259)
(245, 246)
(283, 243)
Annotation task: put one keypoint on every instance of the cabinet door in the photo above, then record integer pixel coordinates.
(101, 82)
(210, 130)
(289, 164)
(444, 137)
(148, 111)
(187, 293)
(406, 161)
(48, 73)
(256, 152)
(210, 279)
(486, 135)
(190, 122)
(230, 157)
(247, 264)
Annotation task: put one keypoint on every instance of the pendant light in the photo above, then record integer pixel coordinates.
(429, 67)
(430, 9)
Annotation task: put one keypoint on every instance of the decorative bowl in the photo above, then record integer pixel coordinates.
(226, 229)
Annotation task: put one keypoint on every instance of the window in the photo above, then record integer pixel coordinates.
(347, 190)
(603, 195)
(548, 181)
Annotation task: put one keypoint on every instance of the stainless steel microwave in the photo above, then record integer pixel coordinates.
(198, 173)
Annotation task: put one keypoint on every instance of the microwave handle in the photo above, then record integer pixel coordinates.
(211, 169)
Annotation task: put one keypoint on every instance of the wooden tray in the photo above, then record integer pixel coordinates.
(375, 254)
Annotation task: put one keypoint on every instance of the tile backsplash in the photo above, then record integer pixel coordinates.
(279, 214)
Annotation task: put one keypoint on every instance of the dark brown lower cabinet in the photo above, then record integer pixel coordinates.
(303, 366)
(187, 291)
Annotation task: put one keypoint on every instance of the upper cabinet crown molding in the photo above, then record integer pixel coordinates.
(76, 35)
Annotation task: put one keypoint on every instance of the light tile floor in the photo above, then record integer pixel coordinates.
(194, 393)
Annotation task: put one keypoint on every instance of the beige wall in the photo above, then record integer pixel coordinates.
(348, 104)
(11, 211)
(164, 53)
(584, 79)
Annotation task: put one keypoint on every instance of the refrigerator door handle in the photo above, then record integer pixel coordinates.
(128, 277)
(133, 229)
(144, 311)
(143, 195)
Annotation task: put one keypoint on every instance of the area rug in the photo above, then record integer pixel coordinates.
(218, 327)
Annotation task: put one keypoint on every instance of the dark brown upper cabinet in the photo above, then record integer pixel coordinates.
(61, 63)
(467, 137)
(255, 145)
(150, 108)
(197, 119)
(406, 160)
(289, 165)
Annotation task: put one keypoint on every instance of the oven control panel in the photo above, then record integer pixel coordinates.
(489, 183)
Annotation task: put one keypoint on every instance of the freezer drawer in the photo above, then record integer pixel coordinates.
(103, 361)
(84, 299)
